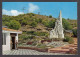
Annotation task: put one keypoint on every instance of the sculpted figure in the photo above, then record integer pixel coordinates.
(57, 32)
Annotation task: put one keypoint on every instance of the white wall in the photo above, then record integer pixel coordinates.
(7, 46)
(8, 38)
(17, 37)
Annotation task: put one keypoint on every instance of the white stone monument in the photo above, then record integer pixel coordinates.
(57, 32)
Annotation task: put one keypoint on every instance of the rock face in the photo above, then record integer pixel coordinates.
(57, 32)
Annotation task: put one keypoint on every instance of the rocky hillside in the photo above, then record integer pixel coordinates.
(34, 24)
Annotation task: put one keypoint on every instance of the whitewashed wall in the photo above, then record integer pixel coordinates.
(8, 37)
(7, 46)
(17, 37)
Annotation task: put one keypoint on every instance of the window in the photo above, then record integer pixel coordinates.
(4, 38)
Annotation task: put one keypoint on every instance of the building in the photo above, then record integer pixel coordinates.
(68, 33)
(57, 32)
(10, 38)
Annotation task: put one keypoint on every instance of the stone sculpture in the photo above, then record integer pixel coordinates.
(57, 32)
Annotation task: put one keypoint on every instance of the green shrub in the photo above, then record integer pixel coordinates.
(32, 14)
(57, 39)
(74, 32)
(30, 32)
(38, 20)
(40, 33)
(36, 33)
(45, 23)
(14, 24)
(68, 39)
(50, 16)
(66, 24)
(71, 41)
(5, 23)
(34, 44)
(24, 22)
(25, 37)
(40, 45)
(33, 24)
(51, 24)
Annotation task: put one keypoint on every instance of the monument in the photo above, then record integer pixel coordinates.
(57, 32)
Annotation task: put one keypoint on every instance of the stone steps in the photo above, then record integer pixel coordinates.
(59, 50)
(73, 45)
(69, 47)
(63, 49)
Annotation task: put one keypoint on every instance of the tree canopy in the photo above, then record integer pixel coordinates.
(14, 24)
(66, 24)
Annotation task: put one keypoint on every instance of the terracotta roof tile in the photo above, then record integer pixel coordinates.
(7, 29)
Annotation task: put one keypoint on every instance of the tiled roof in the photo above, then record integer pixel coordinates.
(7, 29)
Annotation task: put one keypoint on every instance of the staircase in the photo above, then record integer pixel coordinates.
(64, 49)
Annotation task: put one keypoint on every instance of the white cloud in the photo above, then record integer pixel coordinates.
(32, 8)
(11, 12)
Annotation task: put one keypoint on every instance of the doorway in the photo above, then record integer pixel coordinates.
(12, 43)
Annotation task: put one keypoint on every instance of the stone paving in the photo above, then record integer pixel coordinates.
(29, 52)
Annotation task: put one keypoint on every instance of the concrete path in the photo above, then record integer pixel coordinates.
(29, 52)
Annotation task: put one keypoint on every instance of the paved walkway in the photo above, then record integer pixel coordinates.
(29, 52)
(33, 52)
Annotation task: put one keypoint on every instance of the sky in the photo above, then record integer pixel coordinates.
(68, 9)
